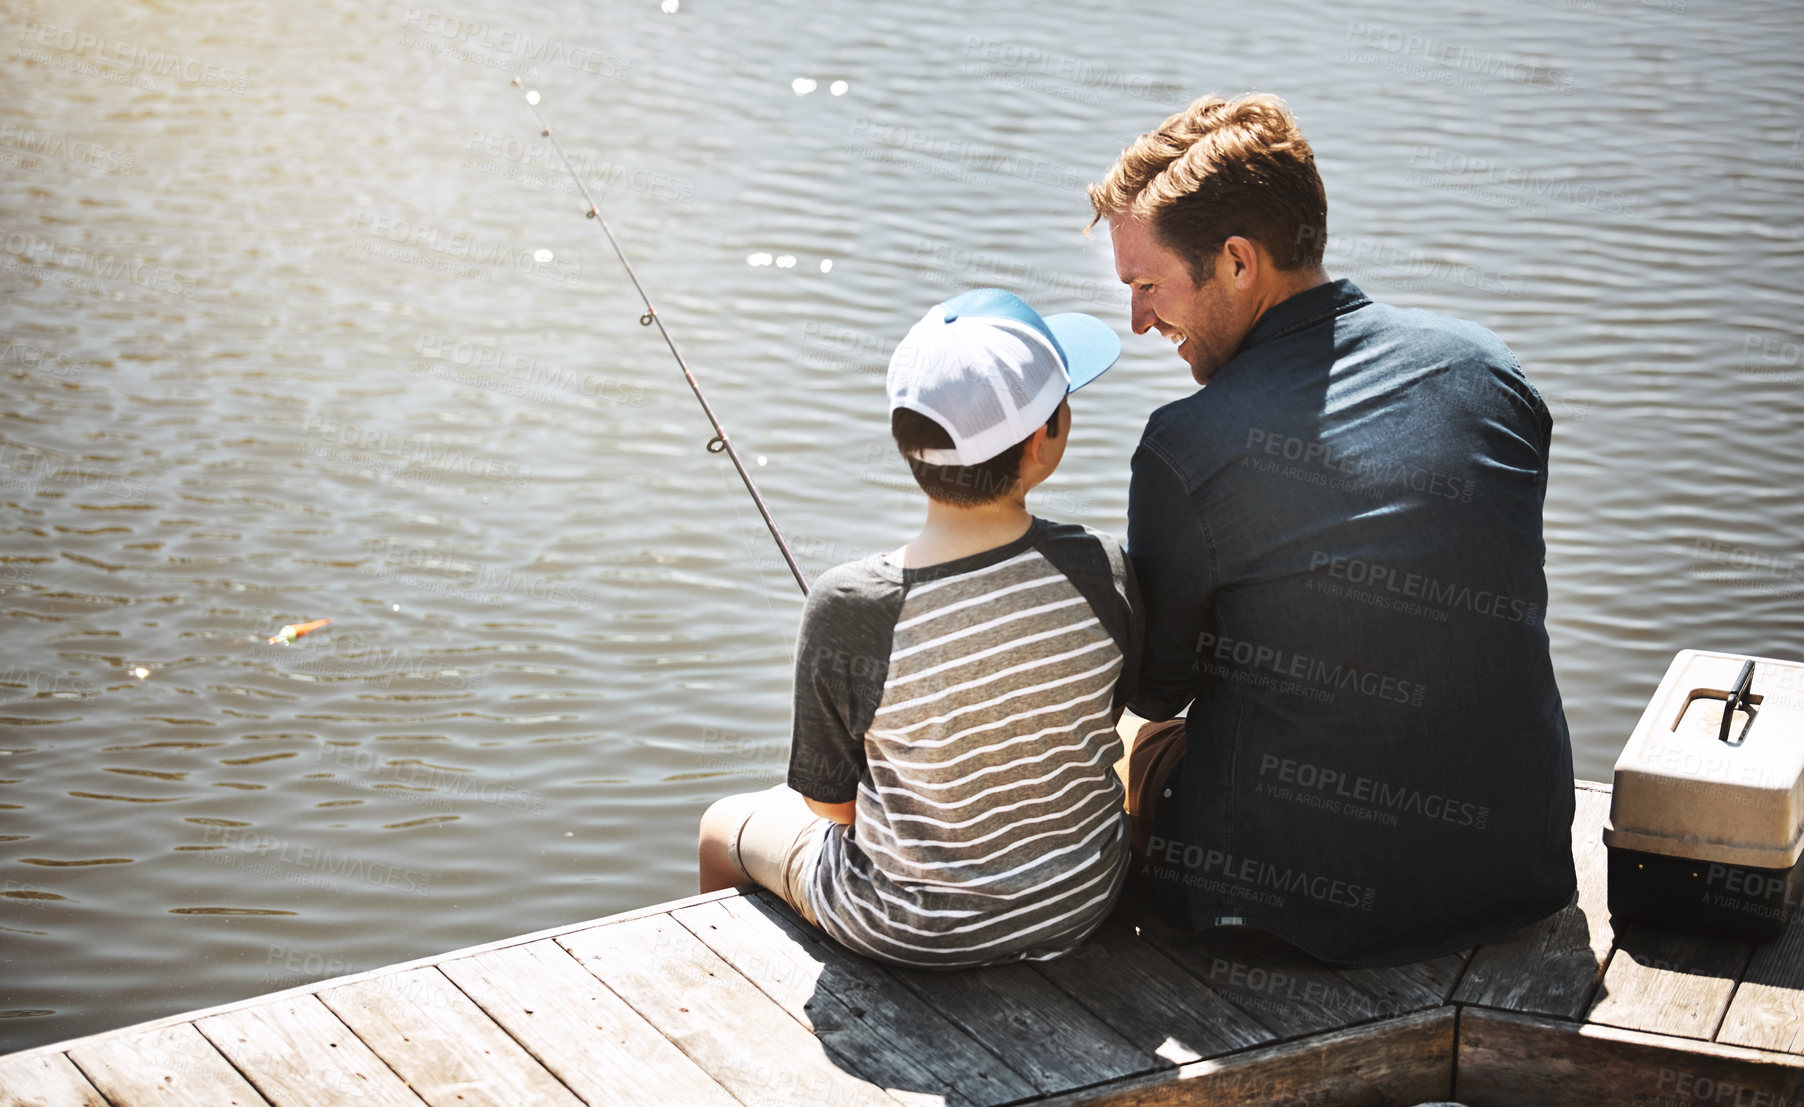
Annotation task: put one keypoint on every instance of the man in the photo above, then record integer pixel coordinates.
(949, 799)
(1339, 545)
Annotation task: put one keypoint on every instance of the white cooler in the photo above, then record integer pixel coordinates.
(1707, 818)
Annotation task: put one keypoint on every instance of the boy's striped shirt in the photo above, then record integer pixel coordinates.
(968, 708)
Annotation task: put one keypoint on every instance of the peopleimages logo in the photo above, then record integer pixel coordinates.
(75, 151)
(1030, 60)
(1354, 474)
(437, 571)
(1301, 671)
(501, 148)
(73, 268)
(1415, 586)
(457, 246)
(1477, 65)
(1380, 794)
(251, 851)
(482, 365)
(25, 470)
(960, 267)
(1249, 878)
(415, 455)
(1459, 172)
(124, 58)
(506, 49)
(958, 151)
(429, 785)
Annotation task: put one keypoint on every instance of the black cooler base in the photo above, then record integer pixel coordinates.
(1707, 897)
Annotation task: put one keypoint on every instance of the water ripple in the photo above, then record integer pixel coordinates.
(346, 387)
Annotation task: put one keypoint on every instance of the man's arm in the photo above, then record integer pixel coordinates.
(1174, 562)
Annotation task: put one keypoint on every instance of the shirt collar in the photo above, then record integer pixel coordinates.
(1305, 309)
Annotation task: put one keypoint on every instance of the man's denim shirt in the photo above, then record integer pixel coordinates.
(1339, 543)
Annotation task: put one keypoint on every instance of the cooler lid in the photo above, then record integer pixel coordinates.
(1715, 768)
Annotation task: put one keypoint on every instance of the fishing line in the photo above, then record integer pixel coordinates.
(720, 442)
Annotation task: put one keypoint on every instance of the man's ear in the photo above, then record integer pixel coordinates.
(1242, 258)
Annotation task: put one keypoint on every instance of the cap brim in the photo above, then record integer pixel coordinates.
(1090, 345)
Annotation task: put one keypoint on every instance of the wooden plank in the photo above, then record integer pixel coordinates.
(312, 987)
(579, 1030)
(871, 1024)
(1047, 1036)
(1508, 1059)
(297, 1052)
(1392, 990)
(716, 1016)
(1767, 1011)
(168, 1064)
(47, 1080)
(1552, 967)
(1414, 986)
(1407, 1060)
(443, 1045)
(1149, 999)
(1288, 992)
(1665, 982)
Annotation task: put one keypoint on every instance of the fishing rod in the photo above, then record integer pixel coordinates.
(720, 441)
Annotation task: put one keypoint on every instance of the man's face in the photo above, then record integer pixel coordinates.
(1203, 320)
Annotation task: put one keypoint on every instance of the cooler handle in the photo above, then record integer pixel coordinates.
(1742, 697)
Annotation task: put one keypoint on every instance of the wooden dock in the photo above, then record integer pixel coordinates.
(728, 999)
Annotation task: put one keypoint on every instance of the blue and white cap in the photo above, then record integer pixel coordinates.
(985, 366)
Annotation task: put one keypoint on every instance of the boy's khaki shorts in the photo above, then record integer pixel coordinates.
(776, 841)
(777, 836)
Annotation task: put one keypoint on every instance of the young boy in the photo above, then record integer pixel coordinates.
(951, 798)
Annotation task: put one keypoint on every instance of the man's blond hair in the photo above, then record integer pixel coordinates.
(1221, 168)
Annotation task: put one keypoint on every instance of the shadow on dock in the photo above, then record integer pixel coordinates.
(728, 998)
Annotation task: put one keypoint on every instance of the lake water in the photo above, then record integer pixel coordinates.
(302, 320)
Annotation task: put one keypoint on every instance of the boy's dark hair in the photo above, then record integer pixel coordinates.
(959, 485)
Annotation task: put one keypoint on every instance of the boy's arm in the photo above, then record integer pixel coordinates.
(1100, 569)
(842, 657)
